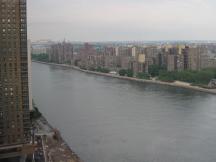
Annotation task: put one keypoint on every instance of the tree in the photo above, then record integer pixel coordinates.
(166, 76)
(122, 72)
(202, 77)
(129, 73)
(143, 76)
(102, 70)
(92, 69)
(35, 113)
(154, 70)
(41, 57)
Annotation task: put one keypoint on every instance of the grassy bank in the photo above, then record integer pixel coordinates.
(200, 78)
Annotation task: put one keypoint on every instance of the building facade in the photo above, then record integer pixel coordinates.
(171, 62)
(14, 90)
(61, 53)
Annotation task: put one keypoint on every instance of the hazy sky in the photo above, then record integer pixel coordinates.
(108, 20)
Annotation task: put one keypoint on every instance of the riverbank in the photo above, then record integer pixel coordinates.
(173, 84)
(53, 146)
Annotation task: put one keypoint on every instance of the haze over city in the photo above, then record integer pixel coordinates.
(107, 81)
(118, 20)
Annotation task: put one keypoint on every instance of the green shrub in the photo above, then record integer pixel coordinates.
(122, 72)
(41, 57)
(143, 76)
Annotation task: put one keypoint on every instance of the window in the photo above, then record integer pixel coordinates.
(1, 115)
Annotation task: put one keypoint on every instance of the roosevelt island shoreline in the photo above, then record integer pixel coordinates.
(177, 84)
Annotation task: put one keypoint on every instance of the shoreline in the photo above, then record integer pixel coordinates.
(174, 84)
(55, 149)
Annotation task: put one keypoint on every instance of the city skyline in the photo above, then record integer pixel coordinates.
(121, 20)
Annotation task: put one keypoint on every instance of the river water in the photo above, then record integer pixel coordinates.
(110, 120)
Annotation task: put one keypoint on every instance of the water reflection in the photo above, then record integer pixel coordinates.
(111, 120)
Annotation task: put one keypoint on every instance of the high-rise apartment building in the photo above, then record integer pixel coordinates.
(171, 62)
(194, 57)
(14, 91)
(185, 52)
(61, 53)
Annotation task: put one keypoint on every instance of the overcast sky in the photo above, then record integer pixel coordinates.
(116, 20)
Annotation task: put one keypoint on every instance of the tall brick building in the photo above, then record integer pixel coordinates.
(14, 95)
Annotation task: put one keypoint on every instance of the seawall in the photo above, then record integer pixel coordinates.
(186, 86)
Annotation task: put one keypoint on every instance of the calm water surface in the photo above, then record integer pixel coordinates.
(110, 120)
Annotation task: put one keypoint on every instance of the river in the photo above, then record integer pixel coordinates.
(110, 120)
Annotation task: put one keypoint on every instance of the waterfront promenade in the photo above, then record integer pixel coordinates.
(173, 84)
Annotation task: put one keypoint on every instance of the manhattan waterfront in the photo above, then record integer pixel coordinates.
(110, 120)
